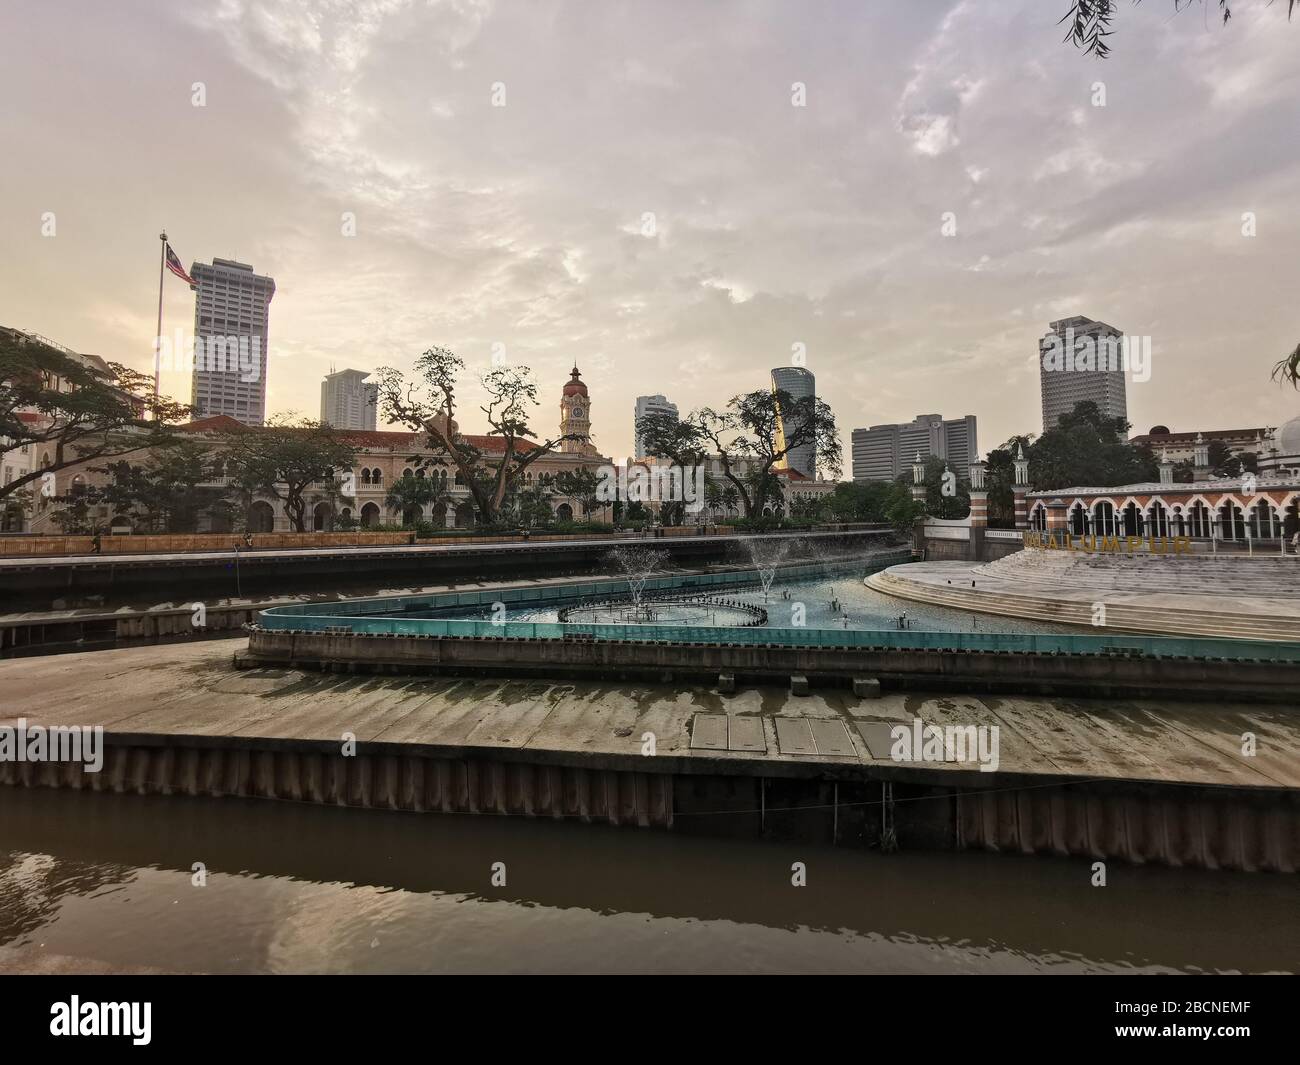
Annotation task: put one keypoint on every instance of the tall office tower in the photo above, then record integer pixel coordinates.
(1081, 359)
(230, 340)
(798, 382)
(649, 405)
(347, 401)
(883, 452)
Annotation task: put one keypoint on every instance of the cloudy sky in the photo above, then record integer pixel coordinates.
(650, 203)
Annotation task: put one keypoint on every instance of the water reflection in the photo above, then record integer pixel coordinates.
(305, 888)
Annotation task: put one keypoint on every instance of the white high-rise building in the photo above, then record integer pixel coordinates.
(649, 405)
(799, 383)
(1081, 359)
(347, 401)
(230, 340)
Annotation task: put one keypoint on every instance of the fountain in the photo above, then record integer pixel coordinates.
(637, 563)
(766, 556)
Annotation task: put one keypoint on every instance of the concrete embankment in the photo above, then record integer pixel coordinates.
(1118, 675)
(1162, 781)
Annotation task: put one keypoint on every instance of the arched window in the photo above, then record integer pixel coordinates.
(1198, 519)
(406, 473)
(1078, 519)
(1103, 518)
(1157, 519)
(1178, 522)
(1232, 522)
(365, 475)
(378, 477)
(369, 515)
(1264, 524)
(1132, 520)
(1039, 518)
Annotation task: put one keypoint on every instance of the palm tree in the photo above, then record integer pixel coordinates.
(410, 493)
(1289, 368)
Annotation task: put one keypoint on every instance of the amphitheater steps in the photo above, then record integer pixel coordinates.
(1126, 617)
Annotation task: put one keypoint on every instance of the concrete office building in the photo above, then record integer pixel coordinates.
(347, 401)
(1081, 359)
(649, 405)
(230, 340)
(883, 452)
(799, 383)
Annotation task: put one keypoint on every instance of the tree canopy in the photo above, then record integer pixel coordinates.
(427, 403)
(66, 408)
(745, 438)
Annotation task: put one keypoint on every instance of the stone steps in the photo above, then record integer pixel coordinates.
(1156, 621)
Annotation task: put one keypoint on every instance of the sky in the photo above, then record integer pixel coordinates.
(644, 189)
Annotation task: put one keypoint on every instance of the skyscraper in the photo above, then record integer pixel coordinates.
(1081, 359)
(230, 340)
(883, 452)
(649, 405)
(347, 402)
(799, 383)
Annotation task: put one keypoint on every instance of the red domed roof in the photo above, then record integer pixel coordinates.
(575, 387)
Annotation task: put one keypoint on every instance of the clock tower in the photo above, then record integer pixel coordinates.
(575, 417)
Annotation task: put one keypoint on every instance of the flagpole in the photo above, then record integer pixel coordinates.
(157, 343)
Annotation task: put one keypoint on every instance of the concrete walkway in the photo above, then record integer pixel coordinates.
(189, 695)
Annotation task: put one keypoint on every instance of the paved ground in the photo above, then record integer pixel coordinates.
(191, 690)
(1195, 597)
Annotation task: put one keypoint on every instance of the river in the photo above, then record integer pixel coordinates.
(102, 882)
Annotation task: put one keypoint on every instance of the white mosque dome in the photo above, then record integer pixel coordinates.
(1288, 437)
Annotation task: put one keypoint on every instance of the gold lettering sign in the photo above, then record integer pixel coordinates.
(1108, 545)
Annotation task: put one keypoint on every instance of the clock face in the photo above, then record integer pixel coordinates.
(577, 412)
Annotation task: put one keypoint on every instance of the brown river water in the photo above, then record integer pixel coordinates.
(104, 883)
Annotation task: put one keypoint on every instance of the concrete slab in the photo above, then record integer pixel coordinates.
(745, 734)
(795, 736)
(709, 732)
(832, 739)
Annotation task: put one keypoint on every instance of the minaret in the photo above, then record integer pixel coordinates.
(575, 416)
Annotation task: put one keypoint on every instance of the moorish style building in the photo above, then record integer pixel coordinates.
(381, 458)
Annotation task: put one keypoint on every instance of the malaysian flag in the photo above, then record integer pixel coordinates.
(174, 265)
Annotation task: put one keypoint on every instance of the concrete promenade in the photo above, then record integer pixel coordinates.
(191, 693)
(1237, 598)
(1150, 780)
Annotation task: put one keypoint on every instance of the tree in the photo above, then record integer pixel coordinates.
(170, 492)
(428, 404)
(581, 484)
(1090, 22)
(745, 438)
(1224, 462)
(412, 492)
(93, 415)
(1086, 449)
(873, 501)
(285, 458)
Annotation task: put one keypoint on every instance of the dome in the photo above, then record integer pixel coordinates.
(1159, 430)
(575, 387)
(1288, 437)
